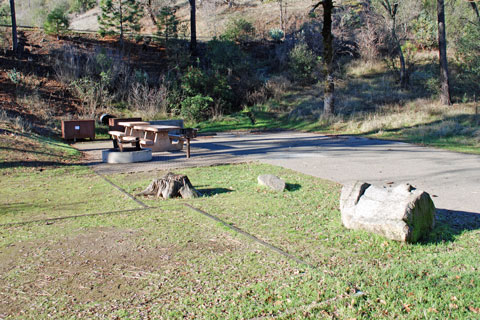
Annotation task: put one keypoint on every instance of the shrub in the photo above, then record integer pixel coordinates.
(57, 21)
(82, 5)
(5, 14)
(93, 94)
(196, 108)
(212, 84)
(232, 73)
(424, 30)
(71, 64)
(239, 30)
(15, 76)
(226, 56)
(194, 82)
(468, 48)
(277, 86)
(149, 101)
(22, 124)
(302, 63)
(276, 34)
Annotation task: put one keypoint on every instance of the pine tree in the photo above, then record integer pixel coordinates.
(167, 23)
(57, 21)
(119, 16)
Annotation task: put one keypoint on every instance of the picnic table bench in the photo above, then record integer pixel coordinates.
(120, 139)
(156, 137)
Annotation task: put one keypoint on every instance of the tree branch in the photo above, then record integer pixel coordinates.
(316, 6)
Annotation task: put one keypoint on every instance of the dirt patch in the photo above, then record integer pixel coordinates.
(103, 264)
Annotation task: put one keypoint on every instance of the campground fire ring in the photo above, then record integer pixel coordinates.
(128, 155)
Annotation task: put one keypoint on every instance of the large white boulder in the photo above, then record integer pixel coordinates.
(402, 213)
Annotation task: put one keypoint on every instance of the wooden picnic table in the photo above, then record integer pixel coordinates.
(159, 135)
(129, 127)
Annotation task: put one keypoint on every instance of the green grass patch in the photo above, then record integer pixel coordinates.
(172, 262)
(399, 280)
(56, 193)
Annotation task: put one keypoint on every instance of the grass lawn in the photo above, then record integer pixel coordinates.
(169, 261)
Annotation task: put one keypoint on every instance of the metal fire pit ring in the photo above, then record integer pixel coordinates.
(129, 155)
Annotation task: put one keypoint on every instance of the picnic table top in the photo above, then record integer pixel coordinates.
(133, 123)
(155, 128)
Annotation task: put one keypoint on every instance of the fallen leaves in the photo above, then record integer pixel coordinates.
(473, 309)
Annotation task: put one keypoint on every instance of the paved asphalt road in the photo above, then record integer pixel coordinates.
(453, 179)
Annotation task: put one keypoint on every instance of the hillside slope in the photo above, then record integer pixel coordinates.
(212, 16)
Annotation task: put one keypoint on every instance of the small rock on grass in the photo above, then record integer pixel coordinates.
(271, 181)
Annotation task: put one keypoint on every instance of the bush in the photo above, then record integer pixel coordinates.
(71, 64)
(149, 101)
(212, 84)
(302, 63)
(196, 108)
(277, 86)
(226, 56)
(93, 94)
(276, 34)
(57, 21)
(424, 30)
(5, 14)
(81, 6)
(194, 82)
(468, 48)
(239, 30)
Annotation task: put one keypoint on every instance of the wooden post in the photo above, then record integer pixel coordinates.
(188, 148)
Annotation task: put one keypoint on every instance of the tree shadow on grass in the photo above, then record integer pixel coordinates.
(293, 186)
(208, 192)
(449, 224)
(36, 164)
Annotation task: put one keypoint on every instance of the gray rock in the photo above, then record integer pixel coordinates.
(271, 181)
(402, 213)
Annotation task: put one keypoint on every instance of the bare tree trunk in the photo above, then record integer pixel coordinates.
(329, 100)
(442, 50)
(121, 23)
(14, 27)
(193, 29)
(403, 69)
(392, 12)
(283, 16)
(150, 12)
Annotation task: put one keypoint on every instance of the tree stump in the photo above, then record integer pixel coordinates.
(171, 186)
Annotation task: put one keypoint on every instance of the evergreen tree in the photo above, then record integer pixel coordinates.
(119, 16)
(4, 14)
(167, 23)
(57, 21)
